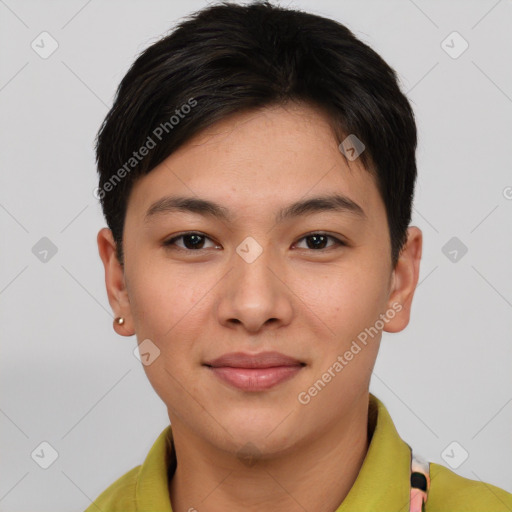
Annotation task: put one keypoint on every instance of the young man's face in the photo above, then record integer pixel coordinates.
(256, 283)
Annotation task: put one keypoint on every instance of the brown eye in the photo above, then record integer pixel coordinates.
(318, 241)
(191, 241)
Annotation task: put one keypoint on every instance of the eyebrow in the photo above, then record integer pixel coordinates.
(338, 203)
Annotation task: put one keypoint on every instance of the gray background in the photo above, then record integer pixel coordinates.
(68, 379)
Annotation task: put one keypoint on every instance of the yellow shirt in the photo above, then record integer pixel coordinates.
(382, 484)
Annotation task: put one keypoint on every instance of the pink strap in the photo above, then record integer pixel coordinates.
(418, 496)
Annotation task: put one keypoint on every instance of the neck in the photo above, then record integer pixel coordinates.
(315, 476)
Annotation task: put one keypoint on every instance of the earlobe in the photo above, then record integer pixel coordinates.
(115, 282)
(404, 280)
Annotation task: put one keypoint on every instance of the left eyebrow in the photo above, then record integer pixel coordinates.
(338, 203)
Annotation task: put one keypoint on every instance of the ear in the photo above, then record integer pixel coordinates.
(404, 280)
(115, 282)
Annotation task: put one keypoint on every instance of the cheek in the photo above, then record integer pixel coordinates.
(166, 309)
(164, 301)
(346, 298)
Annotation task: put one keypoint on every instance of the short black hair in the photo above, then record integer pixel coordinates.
(229, 58)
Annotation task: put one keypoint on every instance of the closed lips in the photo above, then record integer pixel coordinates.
(261, 360)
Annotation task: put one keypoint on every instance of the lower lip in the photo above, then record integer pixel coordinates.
(255, 379)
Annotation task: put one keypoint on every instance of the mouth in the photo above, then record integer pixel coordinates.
(254, 372)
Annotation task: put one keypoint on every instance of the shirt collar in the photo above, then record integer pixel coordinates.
(382, 482)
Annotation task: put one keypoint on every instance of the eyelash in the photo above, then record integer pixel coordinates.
(171, 242)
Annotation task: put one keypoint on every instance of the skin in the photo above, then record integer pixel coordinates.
(306, 302)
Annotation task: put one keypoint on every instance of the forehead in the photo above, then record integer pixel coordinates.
(267, 158)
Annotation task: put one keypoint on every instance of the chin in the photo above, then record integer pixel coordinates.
(267, 435)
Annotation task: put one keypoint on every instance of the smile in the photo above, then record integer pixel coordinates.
(254, 372)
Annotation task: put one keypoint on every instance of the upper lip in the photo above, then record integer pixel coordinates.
(260, 360)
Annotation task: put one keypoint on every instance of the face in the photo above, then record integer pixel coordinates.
(303, 282)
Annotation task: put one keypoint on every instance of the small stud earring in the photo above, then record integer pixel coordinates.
(119, 320)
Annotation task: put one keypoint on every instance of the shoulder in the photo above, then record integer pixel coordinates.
(451, 492)
(119, 496)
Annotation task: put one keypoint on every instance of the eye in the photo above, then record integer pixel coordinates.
(318, 241)
(192, 241)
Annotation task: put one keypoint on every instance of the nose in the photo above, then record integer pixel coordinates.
(255, 293)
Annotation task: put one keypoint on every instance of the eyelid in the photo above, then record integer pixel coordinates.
(339, 241)
(170, 242)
